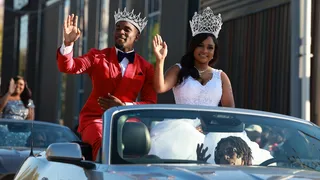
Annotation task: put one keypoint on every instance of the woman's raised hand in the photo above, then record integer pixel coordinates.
(160, 48)
(12, 86)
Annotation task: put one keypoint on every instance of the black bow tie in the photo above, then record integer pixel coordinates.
(129, 56)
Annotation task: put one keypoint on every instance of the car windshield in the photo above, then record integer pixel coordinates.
(231, 138)
(16, 134)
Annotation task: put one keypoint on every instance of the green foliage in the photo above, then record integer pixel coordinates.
(154, 29)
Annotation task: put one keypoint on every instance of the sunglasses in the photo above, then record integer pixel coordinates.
(228, 151)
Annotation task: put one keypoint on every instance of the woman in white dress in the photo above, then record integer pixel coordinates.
(193, 81)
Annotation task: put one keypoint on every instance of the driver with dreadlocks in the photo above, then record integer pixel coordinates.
(231, 150)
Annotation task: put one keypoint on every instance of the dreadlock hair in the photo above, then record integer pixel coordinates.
(243, 150)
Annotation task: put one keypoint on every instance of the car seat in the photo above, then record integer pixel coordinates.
(135, 139)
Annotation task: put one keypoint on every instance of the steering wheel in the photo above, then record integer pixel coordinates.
(275, 160)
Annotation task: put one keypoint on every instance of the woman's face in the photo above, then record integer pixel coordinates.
(19, 86)
(205, 51)
(228, 155)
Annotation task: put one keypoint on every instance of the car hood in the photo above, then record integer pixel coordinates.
(209, 172)
(11, 159)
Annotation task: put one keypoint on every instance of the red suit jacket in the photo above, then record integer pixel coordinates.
(104, 70)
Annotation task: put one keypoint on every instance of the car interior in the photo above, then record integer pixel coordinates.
(135, 142)
(135, 139)
(134, 132)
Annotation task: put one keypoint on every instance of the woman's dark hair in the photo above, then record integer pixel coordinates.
(242, 149)
(26, 93)
(187, 61)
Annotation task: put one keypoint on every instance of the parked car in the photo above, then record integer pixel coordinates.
(17, 136)
(160, 142)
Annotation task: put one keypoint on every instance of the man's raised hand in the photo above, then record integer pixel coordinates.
(71, 31)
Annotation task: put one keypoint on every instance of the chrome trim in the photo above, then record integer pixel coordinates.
(106, 137)
(212, 109)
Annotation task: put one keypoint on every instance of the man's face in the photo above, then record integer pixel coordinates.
(228, 155)
(125, 35)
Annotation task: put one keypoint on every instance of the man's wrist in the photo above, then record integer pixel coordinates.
(67, 43)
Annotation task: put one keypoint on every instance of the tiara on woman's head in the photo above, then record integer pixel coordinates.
(206, 22)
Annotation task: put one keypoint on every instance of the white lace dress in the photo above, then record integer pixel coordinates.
(192, 92)
(174, 139)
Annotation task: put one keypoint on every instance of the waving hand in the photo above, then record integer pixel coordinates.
(71, 31)
(160, 48)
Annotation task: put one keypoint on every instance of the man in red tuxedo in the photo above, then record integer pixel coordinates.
(118, 74)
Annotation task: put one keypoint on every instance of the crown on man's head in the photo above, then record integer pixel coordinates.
(130, 17)
(206, 22)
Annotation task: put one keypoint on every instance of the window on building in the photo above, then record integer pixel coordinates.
(63, 75)
(153, 27)
(23, 44)
(123, 4)
(104, 26)
(83, 25)
(1, 30)
(79, 50)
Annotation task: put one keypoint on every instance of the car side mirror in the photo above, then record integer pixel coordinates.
(64, 151)
(67, 153)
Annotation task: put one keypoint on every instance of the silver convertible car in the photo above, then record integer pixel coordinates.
(187, 142)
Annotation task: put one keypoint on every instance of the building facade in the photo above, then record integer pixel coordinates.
(256, 44)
